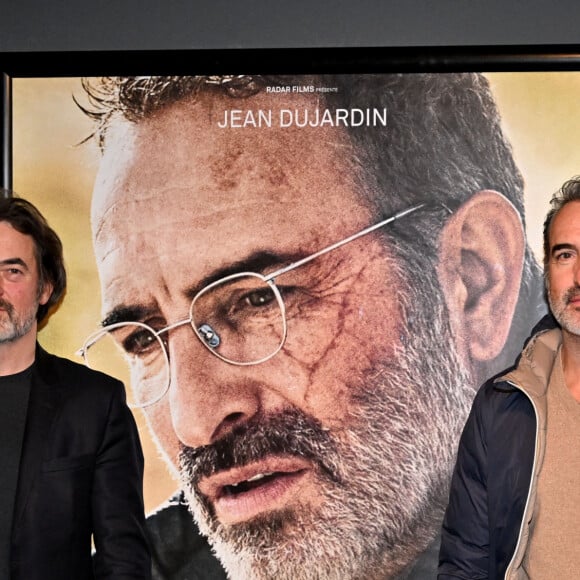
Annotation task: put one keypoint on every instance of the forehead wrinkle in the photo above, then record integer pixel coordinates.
(105, 209)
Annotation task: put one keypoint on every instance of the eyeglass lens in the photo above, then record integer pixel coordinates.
(241, 319)
(134, 354)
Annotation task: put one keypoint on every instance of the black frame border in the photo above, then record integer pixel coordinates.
(276, 61)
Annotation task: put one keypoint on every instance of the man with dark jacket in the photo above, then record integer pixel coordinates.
(514, 505)
(71, 468)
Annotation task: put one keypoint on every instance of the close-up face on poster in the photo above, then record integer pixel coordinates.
(302, 282)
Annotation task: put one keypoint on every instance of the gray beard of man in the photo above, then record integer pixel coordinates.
(558, 306)
(384, 479)
(15, 326)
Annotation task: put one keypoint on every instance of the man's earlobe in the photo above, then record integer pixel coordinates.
(481, 256)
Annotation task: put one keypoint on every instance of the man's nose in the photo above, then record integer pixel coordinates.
(577, 273)
(207, 396)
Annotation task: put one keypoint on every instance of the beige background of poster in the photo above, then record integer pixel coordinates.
(541, 115)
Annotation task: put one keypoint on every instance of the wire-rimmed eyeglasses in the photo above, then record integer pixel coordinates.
(241, 319)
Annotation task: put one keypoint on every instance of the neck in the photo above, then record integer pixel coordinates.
(571, 363)
(18, 355)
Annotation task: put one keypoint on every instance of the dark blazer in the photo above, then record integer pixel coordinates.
(81, 473)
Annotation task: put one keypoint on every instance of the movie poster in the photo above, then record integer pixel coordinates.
(279, 261)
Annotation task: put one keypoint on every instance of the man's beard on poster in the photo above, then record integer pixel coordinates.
(383, 478)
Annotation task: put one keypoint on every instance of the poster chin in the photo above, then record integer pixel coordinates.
(310, 252)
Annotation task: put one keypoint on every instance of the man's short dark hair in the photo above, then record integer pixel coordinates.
(570, 191)
(25, 218)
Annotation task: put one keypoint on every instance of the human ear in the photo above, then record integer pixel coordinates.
(481, 256)
(45, 293)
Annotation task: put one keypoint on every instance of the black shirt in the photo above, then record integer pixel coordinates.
(14, 393)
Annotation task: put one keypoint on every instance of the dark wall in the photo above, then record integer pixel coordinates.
(59, 25)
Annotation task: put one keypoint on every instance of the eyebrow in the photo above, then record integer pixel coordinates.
(126, 314)
(559, 247)
(13, 261)
(258, 262)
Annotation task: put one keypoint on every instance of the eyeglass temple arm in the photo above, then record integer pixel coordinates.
(91, 340)
(364, 232)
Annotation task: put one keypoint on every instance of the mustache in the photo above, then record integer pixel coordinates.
(289, 432)
(571, 293)
(6, 306)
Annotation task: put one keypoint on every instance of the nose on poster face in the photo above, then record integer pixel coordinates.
(207, 396)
